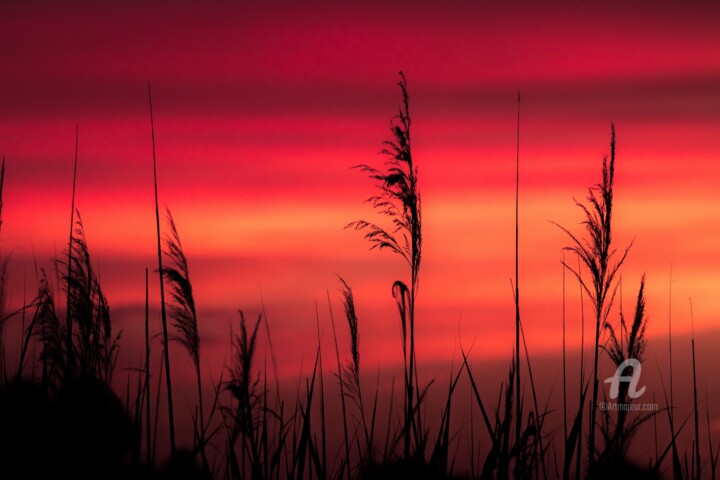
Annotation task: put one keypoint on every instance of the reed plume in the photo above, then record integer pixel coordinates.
(51, 333)
(598, 255)
(626, 342)
(93, 351)
(183, 314)
(399, 201)
(350, 374)
(244, 388)
(182, 310)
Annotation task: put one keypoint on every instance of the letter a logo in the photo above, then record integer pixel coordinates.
(633, 379)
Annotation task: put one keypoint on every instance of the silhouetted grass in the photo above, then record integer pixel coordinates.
(712, 453)
(696, 412)
(597, 254)
(68, 311)
(624, 343)
(148, 436)
(94, 349)
(346, 460)
(80, 426)
(350, 374)
(184, 316)
(244, 414)
(163, 313)
(4, 261)
(399, 201)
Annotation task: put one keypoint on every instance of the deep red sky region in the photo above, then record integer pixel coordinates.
(261, 110)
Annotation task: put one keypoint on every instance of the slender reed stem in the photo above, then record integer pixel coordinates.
(68, 334)
(342, 390)
(563, 355)
(518, 394)
(147, 369)
(163, 312)
(322, 393)
(695, 397)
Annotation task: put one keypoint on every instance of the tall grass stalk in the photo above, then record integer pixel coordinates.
(581, 395)
(147, 371)
(597, 255)
(518, 399)
(272, 350)
(68, 310)
(564, 370)
(322, 393)
(539, 418)
(305, 447)
(184, 315)
(163, 313)
(3, 291)
(695, 396)
(391, 405)
(399, 201)
(157, 405)
(351, 372)
(676, 467)
(713, 454)
(346, 461)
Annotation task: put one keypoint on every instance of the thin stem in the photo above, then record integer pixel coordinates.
(517, 287)
(342, 390)
(564, 367)
(68, 312)
(163, 313)
(322, 393)
(695, 397)
(147, 369)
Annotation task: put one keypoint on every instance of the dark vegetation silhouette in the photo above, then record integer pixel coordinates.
(67, 422)
(163, 314)
(399, 200)
(597, 254)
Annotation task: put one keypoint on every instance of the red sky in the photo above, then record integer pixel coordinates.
(260, 111)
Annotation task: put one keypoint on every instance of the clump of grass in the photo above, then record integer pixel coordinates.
(399, 201)
(93, 352)
(601, 260)
(93, 349)
(50, 332)
(625, 344)
(244, 388)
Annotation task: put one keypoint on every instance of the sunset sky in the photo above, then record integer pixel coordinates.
(261, 111)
